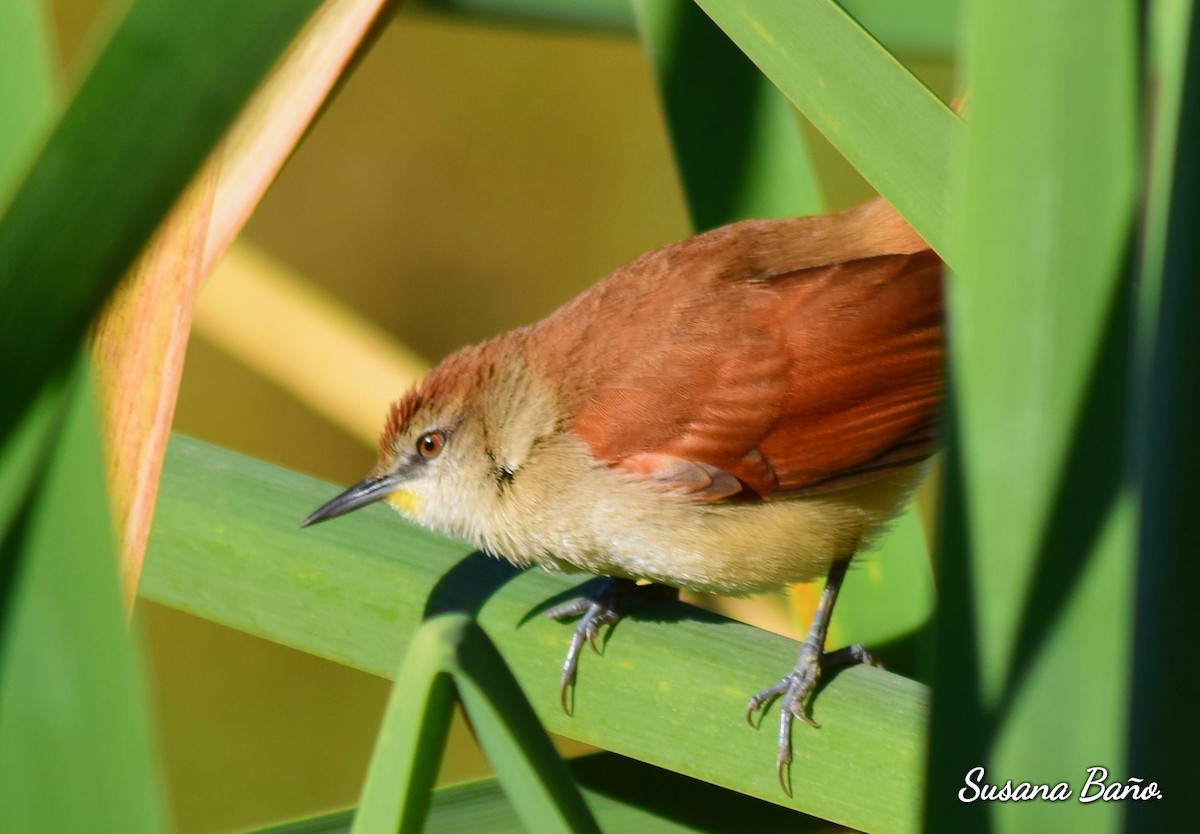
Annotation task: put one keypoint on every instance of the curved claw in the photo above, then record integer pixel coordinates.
(599, 613)
(593, 628)
(568, 670)
(762, 698)
(784, 751)
(605, 608)
(795, 687)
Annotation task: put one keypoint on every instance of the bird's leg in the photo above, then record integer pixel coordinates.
(607, 606)
(800, 682)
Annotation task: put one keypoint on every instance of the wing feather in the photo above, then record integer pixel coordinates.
(727, 365)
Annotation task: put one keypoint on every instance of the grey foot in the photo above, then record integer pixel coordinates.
(607, 607)
(795, 688)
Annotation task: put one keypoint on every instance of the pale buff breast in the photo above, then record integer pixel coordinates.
(610, 524)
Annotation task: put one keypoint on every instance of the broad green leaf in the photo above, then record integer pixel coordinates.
(154, 104)
(28, 86)
(625, 795)
(883, 120)
(530, 771)
(74, 747)
(409, 746)
(670, 689)
(28, 97)
(24, 456)
(927, 27)
(450, 655)
(1161, 735)
(1033, 643)
(738, 147)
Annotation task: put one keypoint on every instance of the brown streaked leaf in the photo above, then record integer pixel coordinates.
(142, 335)
(276, 117)
(139, 345)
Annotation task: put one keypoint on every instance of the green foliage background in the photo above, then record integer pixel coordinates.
(460, 150)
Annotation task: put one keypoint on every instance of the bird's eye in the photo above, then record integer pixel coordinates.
(429, 445)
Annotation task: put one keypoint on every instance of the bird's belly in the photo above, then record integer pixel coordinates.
(728, 549)
(725, 548)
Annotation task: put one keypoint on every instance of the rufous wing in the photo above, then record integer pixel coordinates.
(715, 369)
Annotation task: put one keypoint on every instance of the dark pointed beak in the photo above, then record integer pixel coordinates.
(366, 491)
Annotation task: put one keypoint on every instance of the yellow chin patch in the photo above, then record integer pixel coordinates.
(404, 501)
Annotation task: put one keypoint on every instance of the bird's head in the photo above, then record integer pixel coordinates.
(446, 446)
(430, 445)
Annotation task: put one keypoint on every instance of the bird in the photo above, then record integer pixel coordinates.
(730, 414)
